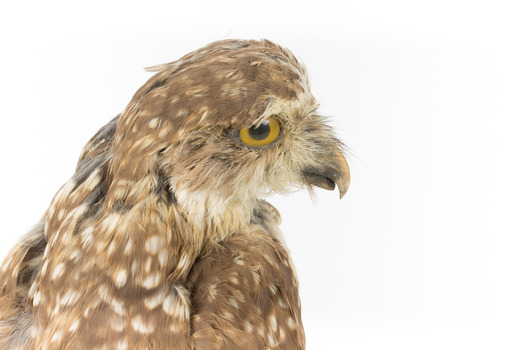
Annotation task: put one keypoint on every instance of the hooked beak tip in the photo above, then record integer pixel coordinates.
(343, 181)
(336, 173)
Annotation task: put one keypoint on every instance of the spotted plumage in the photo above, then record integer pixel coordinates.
(161, 239)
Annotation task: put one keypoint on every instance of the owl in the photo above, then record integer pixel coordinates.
(162, 239)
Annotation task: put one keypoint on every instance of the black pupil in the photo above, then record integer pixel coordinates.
(261, 132)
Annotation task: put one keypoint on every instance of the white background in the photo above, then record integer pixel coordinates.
(426, 251)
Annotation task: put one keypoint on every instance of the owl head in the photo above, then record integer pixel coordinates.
(220, 128)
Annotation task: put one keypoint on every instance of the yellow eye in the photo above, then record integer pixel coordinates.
(262, 135)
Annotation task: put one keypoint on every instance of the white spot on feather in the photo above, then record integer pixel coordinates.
(153, 123)
(163, 258)
(271, 340)
(163, 131)
(260, 331)
(282, 335)
(74, 325)
(36, 299)
(44, 266)
(32, 290)
(151, 281)
(56, 337)
(111, 221)
(69, 298)
(291, 323)
(119, 309)
(233, 303)
(281, 303)
(56, 309)
(175, 306)
(111, 248)
(138, 324)
(117, 323)
(57, 272)
(127, 248)
(122, 344)
(74, 254)
(103, 292)
(204, 114)
(273, 322)
(120, 278)
(155, 300)
(153, 244)
(147, 265)
(135, 267)
(87, 236)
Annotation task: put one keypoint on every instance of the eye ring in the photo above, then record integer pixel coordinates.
(262, 135)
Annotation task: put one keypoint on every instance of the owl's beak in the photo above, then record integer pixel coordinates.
(335, 173)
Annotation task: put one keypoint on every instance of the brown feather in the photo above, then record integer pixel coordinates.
(161, 238)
